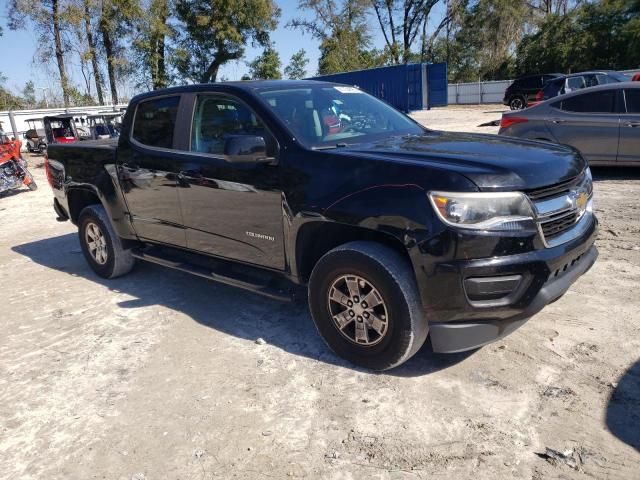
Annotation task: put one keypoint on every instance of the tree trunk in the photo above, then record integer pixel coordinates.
(212, 72)
(92, 52)
(108, 48)
(59, 52)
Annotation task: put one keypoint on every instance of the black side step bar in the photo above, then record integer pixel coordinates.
(220, 271)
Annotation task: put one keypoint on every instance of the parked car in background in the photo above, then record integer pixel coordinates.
(636, 77)
(602, 122)
(578, 81)
(524, 89)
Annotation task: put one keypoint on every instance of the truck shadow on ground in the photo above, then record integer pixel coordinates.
(233, 311)
(623, 409)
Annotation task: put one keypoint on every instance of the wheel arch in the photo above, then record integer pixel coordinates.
(314, 239)
(80, 197)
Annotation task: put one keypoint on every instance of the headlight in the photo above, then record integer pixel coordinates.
(508, 211)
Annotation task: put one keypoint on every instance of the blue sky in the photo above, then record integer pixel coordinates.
(18, 49)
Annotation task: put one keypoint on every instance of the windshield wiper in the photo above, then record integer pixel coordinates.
(330, 147)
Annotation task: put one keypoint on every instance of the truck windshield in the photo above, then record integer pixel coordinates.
(328, 115)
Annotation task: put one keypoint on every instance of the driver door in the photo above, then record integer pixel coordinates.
(232, 210)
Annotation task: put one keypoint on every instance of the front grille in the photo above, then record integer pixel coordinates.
(555, 190)
(554, 226)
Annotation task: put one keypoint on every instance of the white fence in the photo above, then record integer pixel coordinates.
(485, 92)
(20, 116)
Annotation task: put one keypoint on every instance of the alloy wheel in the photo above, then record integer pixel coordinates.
(358, 310)
(96, 243)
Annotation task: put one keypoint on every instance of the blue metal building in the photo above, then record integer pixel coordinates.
(414, 86)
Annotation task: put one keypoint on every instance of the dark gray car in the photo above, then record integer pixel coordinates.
(602, 122)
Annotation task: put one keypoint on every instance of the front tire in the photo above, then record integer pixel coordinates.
(101, 246)
(365, 304)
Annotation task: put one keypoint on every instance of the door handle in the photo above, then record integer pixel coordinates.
(557, 120)
(633, 124)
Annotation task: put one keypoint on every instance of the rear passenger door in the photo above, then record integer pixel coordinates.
(589, 122)
(629, 150)
(148, 168)
(231, 210)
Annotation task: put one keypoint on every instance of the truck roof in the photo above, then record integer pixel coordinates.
(244, 85)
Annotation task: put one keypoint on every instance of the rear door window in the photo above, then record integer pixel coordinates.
(155, 122)
(594, 102)
(632, 97)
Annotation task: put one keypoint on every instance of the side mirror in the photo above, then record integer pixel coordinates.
(246, 149)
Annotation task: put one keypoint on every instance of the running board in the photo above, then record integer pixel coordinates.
(235, 275)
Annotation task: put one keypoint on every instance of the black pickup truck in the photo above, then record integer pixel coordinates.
(394, 231)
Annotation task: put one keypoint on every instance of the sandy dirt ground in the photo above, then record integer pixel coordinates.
(462, 118)
(158, 375)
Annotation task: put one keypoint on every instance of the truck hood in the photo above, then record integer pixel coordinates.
(491, 162)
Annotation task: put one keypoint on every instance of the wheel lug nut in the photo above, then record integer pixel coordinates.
(364, 304)
(356, 299)
(351, 313)
(365, 314)
(359, 318)
(350, 303)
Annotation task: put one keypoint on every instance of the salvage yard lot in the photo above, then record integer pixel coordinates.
(158, 374)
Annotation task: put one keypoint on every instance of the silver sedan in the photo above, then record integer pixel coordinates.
(602, 122)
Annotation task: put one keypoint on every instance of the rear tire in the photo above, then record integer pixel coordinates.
(377, 336)
(101, 246)
(517, 103)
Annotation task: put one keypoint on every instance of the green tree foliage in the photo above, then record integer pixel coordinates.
(603, 34)
(297, 67)
(214, 32)
(115, 24)
(151, 44)
(29, 94)
(266, 66)
(80, 99)
(8, 101)
(484, 40)
(341, 27)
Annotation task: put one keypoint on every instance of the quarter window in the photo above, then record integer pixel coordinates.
(219, 118)
(596, 102)
(155, 121)
(632, 96)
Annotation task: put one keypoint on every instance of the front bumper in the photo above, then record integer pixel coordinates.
(484, 287)
(460, 336)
